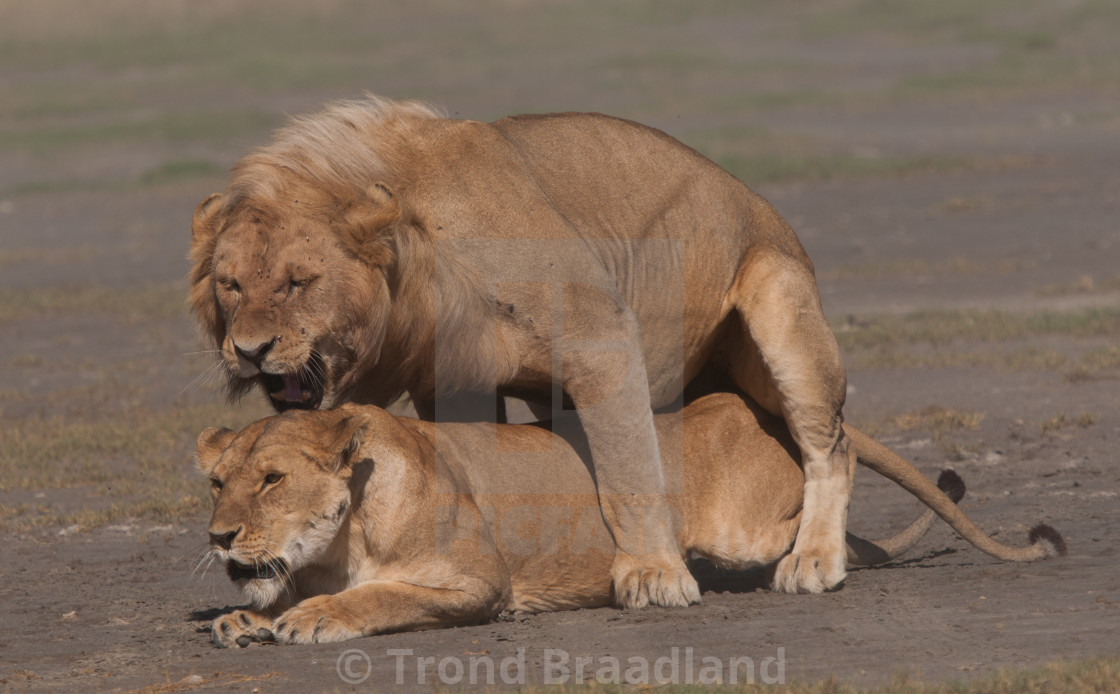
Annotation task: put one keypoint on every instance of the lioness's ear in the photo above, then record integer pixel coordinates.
(367, 221)
(347, 436)
(212, 442)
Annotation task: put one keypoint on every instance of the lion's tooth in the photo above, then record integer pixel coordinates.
(278, 396)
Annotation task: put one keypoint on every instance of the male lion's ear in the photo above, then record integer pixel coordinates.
(204, 237)
(368, 221)
(202, 226)
(212, 442)
(346, 436)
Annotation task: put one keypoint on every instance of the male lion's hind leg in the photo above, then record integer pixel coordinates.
(787, 359)
(241, 628)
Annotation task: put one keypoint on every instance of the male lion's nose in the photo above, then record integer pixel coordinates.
(254, 353)
(224, 540)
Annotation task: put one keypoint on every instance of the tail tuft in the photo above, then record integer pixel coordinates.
(953, 486)
(1044, 533)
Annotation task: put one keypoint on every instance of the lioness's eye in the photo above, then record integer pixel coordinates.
(215, 484)
(273, 478)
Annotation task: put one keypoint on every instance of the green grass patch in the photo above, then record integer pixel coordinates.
(1086, 284)
(177, 126)
(940, 328)
(957, 265)
(777, 168)
(128, 304)
(940, 339)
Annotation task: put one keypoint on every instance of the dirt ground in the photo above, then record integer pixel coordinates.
(952, 174)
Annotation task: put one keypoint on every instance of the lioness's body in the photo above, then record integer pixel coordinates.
(372, 523)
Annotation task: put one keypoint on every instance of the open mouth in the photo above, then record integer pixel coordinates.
(265, 570)
(302, 390)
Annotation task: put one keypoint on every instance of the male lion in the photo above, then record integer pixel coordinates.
(376, 248)
(350, 522)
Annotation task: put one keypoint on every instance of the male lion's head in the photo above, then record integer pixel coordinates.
(281, 492)
(290, 262)
(287, 300)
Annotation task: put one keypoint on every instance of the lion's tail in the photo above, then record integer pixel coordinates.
(1045, 540)
(863, 552)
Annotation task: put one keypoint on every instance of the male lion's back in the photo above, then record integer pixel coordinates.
(614, 178)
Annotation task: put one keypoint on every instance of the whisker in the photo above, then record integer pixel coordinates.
(208, 555)
(210, 374)
(213, 558)
(282, 570)
(204, 351)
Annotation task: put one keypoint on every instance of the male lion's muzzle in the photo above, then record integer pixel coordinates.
(302, 390)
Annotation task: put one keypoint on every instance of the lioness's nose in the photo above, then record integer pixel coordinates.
(253, 353)
(224, 540)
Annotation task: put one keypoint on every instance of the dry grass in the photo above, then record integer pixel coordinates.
(981, 338)
(1062, 421)
(940, 423)
(133, 464)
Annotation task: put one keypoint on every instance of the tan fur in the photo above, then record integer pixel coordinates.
(378, 524)
(377, 248)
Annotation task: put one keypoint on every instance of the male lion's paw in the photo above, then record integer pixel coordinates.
(804, 572)
(240, 629)
(316, 620)
(652, 580)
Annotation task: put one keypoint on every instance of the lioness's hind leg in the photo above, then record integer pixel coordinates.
(789, 362)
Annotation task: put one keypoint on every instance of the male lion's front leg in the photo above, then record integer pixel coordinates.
(607, 382)
(380, 607)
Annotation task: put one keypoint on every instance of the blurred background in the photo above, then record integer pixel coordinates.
(957, 155)
(951, 166)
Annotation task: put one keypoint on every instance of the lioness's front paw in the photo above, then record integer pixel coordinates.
(803, 572)
(315, 620)
(240, 628)
(653, 580)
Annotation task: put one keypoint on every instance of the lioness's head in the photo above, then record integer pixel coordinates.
(290, 261)
(281, 490)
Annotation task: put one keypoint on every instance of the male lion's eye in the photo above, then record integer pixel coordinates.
(294, 284)
(230, 285)
(273, 478)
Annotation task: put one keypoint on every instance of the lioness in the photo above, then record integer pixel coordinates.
(376, 248)
(350, 522)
